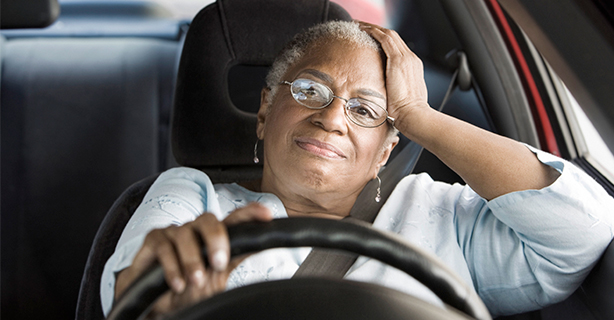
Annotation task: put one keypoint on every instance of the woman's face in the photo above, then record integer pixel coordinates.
(321, 152)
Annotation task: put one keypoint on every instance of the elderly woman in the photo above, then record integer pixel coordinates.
(524, 231)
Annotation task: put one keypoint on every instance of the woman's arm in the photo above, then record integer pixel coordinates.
(532, 248)
(179, 211)
(491, 164)
(523, 249)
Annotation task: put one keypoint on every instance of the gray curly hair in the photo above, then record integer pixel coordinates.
(327, 31)
(295, 49)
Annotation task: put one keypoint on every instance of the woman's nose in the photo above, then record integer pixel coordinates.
(332, 117)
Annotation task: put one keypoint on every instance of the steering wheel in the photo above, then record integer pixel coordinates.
(309, 298)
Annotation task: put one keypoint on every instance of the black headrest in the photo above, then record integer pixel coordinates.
(208, 130)
(28, 14)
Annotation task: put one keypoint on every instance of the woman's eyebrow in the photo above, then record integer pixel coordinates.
(319, 74)
(373, 93)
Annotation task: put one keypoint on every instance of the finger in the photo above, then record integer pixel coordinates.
(169, 260)
(391, 41)
(215, 233)
(156, 246)
(251, 212)
(187, 245)
(395, 48)
(216, 281)
(143, 259)
(215, 237)
(364, 24)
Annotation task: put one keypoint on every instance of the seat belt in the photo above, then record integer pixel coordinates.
(335, 264)
(326, 263)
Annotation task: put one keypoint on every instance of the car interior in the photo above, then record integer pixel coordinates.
(115, 92)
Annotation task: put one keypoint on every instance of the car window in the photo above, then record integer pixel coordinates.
(373, 11)
(589, 142)
(183, 9)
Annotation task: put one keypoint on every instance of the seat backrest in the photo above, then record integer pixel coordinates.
(81, 120)
(209, 132)
(593, 300)
(598, 288)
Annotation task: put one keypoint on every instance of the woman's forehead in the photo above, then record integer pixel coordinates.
(341, 62)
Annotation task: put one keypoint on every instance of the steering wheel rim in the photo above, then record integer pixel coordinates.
(313, 232)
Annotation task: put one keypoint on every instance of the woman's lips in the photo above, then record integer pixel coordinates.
(320, 148)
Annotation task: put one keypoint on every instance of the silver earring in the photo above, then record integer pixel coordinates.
(378, 197)
(256, 160)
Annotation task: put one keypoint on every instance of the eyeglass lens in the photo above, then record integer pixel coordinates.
(315, 95)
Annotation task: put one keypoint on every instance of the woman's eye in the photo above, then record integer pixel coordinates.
(311, 92)
(316, 94)
(365, 112)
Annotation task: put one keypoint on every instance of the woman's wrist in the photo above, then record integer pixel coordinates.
(414, 121)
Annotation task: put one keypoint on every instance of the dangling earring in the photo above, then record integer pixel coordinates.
(378, 197)
(256, 160)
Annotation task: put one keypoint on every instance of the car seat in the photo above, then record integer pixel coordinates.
(227, 39)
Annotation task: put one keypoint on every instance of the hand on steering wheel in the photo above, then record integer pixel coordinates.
(178, 250)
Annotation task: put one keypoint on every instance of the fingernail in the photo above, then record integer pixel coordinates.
(198, 277)
(219, 261)
(178, 285)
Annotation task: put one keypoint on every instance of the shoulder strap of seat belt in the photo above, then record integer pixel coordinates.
(335, 264)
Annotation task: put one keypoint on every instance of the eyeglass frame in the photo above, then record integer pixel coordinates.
(345, 107)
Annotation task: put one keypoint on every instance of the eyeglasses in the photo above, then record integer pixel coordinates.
(314, 95)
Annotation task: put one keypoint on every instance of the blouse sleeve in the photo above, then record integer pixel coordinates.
(178, 196)
(533, 248)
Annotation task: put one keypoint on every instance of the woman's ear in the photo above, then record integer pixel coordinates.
(263, 112)
(386, 151)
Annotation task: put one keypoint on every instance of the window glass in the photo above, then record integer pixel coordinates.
(180, 9)
(592, 147)
(184, 9)
(373, 11)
